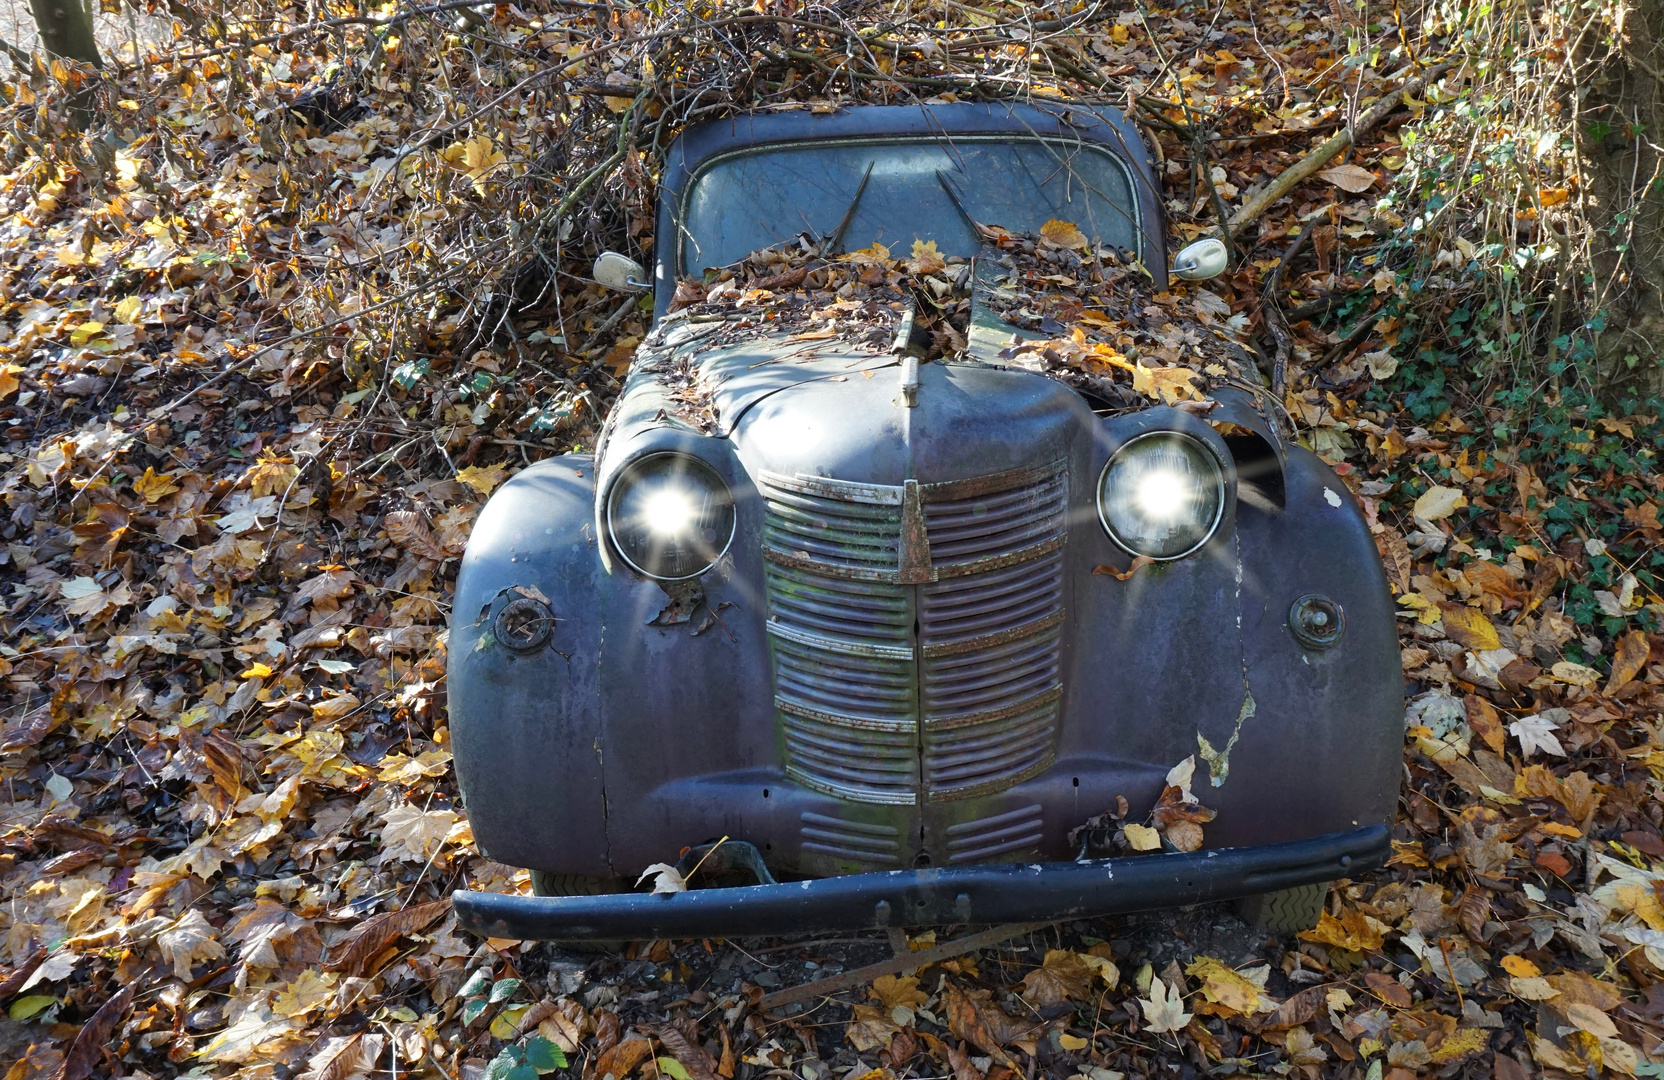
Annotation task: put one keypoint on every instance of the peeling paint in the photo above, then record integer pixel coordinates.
(1219, 761)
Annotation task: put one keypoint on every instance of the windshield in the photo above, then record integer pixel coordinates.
(758, 198)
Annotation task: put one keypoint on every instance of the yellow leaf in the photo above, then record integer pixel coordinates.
(311, 991)
(85, 333)
(1439, 502)
(898, 990)
(154, 486)
(926, 259)
(1228, 988)
(256, 670)
(1427, 612)
(1143, 838)
(1354, 931)
(1521, 967)
(483, 478)
(1169, 384)
(1063, 234)
(1469, 628)
(507, 1022)
(1071, 1043)
(1576, 674)
(1460, 1044)
(8, 380)
(129, 310)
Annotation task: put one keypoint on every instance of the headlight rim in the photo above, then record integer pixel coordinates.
(1221, 466)
(618, 484)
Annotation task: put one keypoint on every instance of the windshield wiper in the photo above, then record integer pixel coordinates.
(849, 215)
(953, 197)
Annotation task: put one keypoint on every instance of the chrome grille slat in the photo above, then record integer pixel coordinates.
(872, 711)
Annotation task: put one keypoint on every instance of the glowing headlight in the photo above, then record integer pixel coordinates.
(670, 516)
(1161, 495)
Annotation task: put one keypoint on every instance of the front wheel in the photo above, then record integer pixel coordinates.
(1286, 911)
(545, 883)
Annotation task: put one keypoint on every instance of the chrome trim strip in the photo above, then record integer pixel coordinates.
(853, 648)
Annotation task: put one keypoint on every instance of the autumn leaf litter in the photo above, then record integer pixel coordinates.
(250, 422)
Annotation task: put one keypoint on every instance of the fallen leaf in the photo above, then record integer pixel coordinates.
(189, 940)
(1350, 178)
(1163, 1010)
(1438, 503)
(1468, 627)
(1063, 234)
(483, 478)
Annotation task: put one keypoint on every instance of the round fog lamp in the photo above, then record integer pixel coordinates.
(670, 516)
(1316, 621)
(1162, 495)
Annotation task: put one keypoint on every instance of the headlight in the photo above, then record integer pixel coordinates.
(670, 516)
(1161, 495)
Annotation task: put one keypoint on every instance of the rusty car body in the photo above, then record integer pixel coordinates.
(884, 667)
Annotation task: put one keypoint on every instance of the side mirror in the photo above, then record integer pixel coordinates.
(1201, 260)
(619, 272)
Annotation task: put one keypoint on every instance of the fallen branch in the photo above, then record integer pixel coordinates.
(849, 980)
(1340, 140)
(1272, 315)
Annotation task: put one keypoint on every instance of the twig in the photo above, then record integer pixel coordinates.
(1273, 315)
(1340, 140)
(862, 976)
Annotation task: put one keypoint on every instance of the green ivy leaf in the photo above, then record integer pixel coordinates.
(503, 1066)
(543, 1055)
(476, 985)
(673, 1069)
(521, 1072)
(503, 989)
(471, 1010)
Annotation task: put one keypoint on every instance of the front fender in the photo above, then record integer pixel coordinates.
(526, 727)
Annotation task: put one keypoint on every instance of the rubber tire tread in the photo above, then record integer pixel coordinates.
(1286, 911)
(545, 883)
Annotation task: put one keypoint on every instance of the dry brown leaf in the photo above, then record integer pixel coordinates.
(698, 1063)
(1063, 234)
(366, 941)
(1351, 178)
(87, 1050)
(622, 1060)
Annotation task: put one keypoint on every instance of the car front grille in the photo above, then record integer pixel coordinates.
(916, 632)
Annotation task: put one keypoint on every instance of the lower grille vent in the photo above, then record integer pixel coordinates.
(1011, 833)
(851, 840)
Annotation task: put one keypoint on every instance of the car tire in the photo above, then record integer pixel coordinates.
(1286, 911)
(545, 883)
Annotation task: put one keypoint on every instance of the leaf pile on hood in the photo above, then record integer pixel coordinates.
(1107, 331)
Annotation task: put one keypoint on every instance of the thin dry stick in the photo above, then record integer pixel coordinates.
(1317, 158)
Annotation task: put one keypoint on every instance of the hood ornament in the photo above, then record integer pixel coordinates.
(909, 362)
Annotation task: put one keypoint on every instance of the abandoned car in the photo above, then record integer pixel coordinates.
(882, 639)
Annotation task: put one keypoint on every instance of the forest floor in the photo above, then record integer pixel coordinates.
(252, 402)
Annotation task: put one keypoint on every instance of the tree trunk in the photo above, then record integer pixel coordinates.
(65, 28)
(1620, 121)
